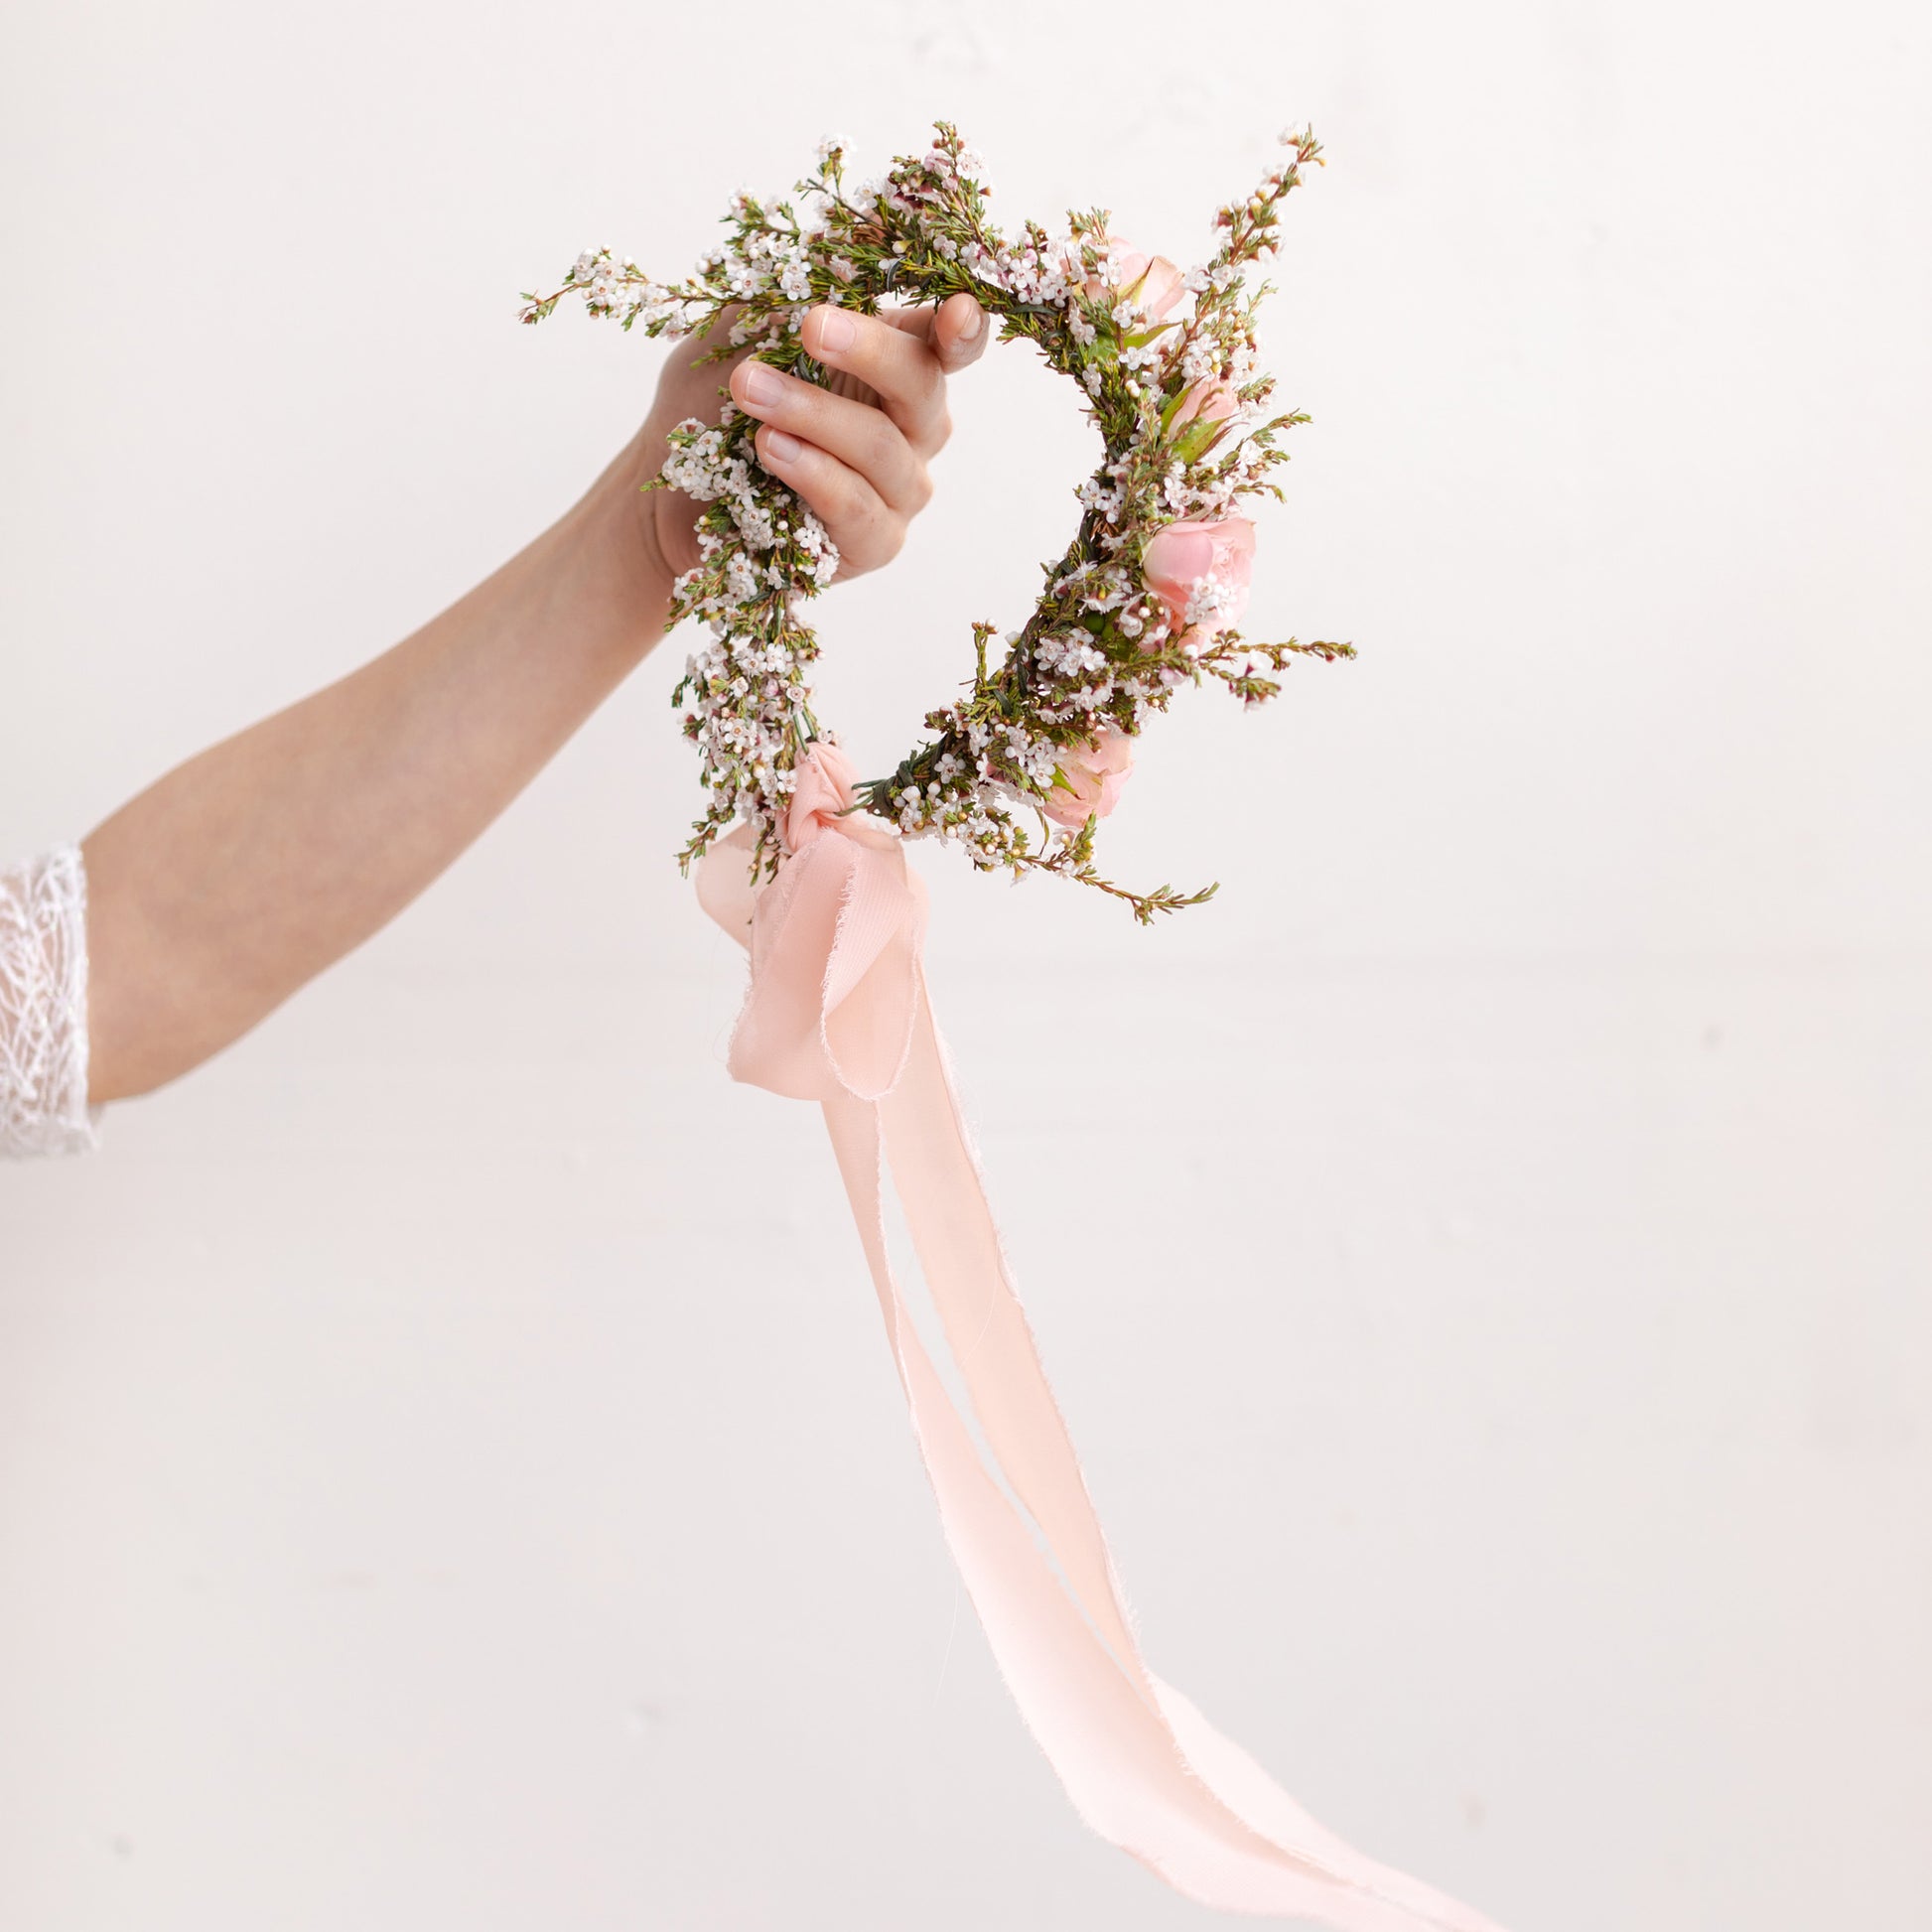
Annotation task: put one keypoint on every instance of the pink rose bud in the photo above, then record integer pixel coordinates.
(1162, 289)
(821, 789)
(1202, 571)
(1212, 401)
(1090, 778)
(1153, 282)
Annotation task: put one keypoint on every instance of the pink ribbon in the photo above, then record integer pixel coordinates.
(838, 1011)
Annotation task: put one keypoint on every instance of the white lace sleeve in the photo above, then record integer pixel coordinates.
(44, 1007)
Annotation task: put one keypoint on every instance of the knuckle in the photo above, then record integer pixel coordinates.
(880, 443)
(873, 534)
(853, 502)
(926, 385)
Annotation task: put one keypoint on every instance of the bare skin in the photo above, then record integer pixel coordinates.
(241, 874)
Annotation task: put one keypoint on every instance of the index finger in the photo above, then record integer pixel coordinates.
(896, 364)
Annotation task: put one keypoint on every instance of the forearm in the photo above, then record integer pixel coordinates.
(242, 874)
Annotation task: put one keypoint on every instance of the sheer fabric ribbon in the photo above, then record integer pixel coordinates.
(837, 1012)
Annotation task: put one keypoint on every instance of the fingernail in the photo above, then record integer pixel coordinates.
(779, 447)
(763, 390)
(974, 324)
(836, 329)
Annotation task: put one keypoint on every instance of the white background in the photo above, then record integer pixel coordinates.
(1483, 1256)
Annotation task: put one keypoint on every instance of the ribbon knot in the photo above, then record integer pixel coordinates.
(838, 1011)
(835, 942)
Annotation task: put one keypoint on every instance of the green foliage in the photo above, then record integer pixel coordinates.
(1100, 650)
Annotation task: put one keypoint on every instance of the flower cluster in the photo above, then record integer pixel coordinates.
(1145, 598)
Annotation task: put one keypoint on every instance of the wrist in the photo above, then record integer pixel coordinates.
(610, 537)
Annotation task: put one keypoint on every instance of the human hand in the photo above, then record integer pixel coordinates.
(856, 449)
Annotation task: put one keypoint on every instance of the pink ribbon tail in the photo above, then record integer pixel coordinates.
(838, 1011)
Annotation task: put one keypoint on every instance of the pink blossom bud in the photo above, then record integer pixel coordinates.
(1187, 561)
(1090, 778)
(1212, 401)
(1153, 282)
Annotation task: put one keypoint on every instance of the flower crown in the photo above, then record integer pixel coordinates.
(1147, 594)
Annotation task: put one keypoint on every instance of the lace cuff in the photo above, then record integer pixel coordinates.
(44, 1007)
